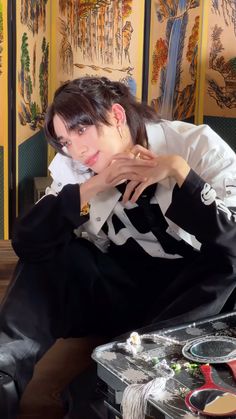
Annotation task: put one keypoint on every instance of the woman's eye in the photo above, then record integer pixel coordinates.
(65, 143)
(81, 130)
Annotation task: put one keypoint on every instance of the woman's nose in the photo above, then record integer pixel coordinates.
(79, 151)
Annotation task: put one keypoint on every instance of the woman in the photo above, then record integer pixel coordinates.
(137, 227)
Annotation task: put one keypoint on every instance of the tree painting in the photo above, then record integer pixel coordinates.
(34, 63)
(33, 14)
(29, 111)
(159, 59)
(227, 8)
(224, 93)
(65, 51)
(185, 100)
(43, 76)
(25, 79)
(1, 37)
(101, 30)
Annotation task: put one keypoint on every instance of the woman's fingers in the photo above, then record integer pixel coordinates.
(134, 189)
(125, 176)
(137, 152)
(138, 191)
(128, 168)
(123, 156)
(129, 190)
(142, 152)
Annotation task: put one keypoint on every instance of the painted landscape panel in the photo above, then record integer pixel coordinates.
(101, 37)
(220, 85)
(33, 33)
(173, 57)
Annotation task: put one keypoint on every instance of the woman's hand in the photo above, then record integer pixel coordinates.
(164, 166)
(125, 168)
(141, 168)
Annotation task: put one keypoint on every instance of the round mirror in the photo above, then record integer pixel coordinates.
(213, 402)
(213, 349)
(211, 399)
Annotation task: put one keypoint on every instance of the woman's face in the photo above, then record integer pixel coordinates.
(93, 147)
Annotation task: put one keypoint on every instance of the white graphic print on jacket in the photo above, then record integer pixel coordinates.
(147, 241)
(208, 196)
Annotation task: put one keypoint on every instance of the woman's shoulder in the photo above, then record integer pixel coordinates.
(169, 136)
(179, 135)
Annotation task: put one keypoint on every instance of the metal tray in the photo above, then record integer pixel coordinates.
(120, 368)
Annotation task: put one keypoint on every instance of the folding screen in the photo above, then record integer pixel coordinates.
(32, 89)
(3, 122)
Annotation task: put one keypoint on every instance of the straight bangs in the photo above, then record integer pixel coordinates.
(75, 110)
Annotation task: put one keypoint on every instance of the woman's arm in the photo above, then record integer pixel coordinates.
(196, 208)
(49, 225)
(207, 284)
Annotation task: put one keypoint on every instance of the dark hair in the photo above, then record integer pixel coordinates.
(87, 100)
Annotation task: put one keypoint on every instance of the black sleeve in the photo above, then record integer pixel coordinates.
(206, 285)
(48, 226)
(196, 208)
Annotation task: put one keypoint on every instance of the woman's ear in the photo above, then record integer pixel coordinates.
(118, 114)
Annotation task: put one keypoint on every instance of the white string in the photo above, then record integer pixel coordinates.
(134, 401)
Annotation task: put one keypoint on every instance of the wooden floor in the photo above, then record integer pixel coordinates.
(64, 361)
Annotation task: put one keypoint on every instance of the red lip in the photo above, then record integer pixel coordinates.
(91, 160)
